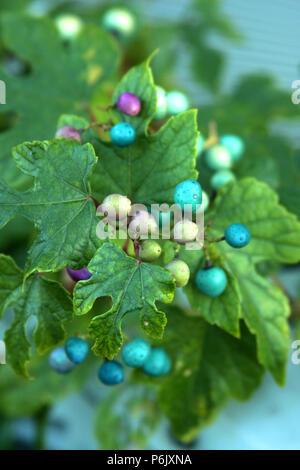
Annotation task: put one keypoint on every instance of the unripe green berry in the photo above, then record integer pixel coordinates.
(220, 178)
(177, 102)
(161, 103)
(141, 225)
(205, 200)
(185, 231)
(200, 144)
(234, 145)
(149, 250)
(119, 21)
(68, 26)
(217, 157)
(116, 206)
(180, 272)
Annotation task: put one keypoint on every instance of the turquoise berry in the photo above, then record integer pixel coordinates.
(136, 352)
(217, 158)
(211, 281)
(200, 144)
(220, 178)
(177, 102)
(162, 218)
(237, 235)
(234, 145)
(119, 22)
(59, 361)
(161, 103)
(157, 363)
(111, 373)
(205, 200)
(122, 134)
(188, 192)
(77, 349)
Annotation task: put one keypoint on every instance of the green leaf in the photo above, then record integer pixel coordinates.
(139, 82)
(42, 298)
(209, 366)
(131, 410)
(275, 236)
(132, 287)
(61, 79)
(59, 203)
(148, 170)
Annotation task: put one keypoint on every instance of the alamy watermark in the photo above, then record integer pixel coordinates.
(295, 97)
(2, 92)
(153, 222)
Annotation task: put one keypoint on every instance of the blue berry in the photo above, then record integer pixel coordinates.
(217, 157)
(211, 281)
(136, 352)
(59, 361)
(200, 144)
(234, 145)
(122, 134)
(188, 192)
(220, 178)
(157, 363)
(177, 102)
(111, 373)
(237, 235)
(77, 349)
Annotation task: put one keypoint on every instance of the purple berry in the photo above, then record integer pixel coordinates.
(129, 104)
(79, 274)
(68, 132)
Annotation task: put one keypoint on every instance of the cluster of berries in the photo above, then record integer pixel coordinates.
(137, 353)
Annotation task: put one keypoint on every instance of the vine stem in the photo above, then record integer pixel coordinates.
(137, 251)
(213, 137)
(41, 423)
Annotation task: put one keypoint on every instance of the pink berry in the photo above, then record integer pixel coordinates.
(68, 132)
(129, 104)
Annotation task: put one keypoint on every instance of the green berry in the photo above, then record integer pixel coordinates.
(177, 102)
(149, 250)
(220, 178)
(205, 200)
(161, 103)
(234, 145)
(185, 231)
(200, 144)
(141, 225)
(180, 272)
(211, 281)
(217, 157)
(116, 206)
(68, 26)
(119, 21)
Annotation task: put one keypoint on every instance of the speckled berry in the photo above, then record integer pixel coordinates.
(220, 178)
(237, 235)
(68, 132)
(59, 361)
(185, 231)
(135, 353)
(211, 281)
(79, 274)
(177, 102)
(115, 206)
(122, 134)
(157, 363)
(129, 104)
(188, 192)
(217, 157)
(77, 349)
(180, 271)
(161, 103)
(111, 373)
(149, 250)
(234, 145)
(141, 225)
